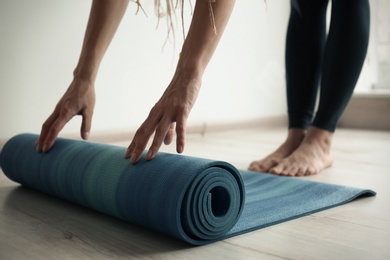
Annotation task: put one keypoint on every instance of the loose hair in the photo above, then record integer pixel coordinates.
(168, 10)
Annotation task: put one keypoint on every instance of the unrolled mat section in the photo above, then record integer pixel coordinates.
(193, 199)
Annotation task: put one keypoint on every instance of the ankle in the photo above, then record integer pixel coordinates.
(320, 136)
(296, 135)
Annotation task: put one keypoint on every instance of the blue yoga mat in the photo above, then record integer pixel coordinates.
(193, 199)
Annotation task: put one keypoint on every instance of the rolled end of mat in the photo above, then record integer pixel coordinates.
(212, 204)
(194, 199)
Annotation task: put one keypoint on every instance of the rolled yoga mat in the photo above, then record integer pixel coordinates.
(193, 199)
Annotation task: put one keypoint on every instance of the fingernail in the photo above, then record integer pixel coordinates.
(132, 158)
(37, 148)
(86, 135)
(44, 149)
(149, 155)
(127, 153)
(180, 149)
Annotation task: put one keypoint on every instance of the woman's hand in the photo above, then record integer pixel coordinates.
(178, 99)
(172, 109)
(79, 99)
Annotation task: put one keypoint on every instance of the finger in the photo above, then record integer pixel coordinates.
(134, 151)
(86, 125)
(143, 134)
(139, 142)
(130, 148)
(53, 132)
(180, 133)
(160, 133)
(169, 137)
(45, 129)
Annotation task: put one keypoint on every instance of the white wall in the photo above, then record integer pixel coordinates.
(40, 45)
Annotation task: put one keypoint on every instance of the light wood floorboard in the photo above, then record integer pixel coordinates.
(36, 226)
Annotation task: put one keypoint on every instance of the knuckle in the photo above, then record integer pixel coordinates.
(54, 129)
(154, 109)
(160, 130)
(183, 108)
(45, 126)
(141, 133)
(137, 150)
(65, 111)
(180, 127)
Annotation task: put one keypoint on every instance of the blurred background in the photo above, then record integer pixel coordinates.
(245, 81)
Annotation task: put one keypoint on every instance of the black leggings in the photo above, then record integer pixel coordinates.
(334, 60)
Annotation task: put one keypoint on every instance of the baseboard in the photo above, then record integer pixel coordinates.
(267, 122)
(113, 136)
(118, 135)
(367, 111)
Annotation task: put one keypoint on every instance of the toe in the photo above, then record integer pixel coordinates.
(291, 171)
(262, 165)
(253, 166)
(278, 169)
(301, 172)
(311, 171)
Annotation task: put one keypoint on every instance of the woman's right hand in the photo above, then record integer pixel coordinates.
(79, 99)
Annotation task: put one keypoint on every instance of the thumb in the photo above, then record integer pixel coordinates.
(86, 125)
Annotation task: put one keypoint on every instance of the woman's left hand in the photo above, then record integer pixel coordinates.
(172, 109)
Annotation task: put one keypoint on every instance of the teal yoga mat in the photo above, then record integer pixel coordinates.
(193, 199)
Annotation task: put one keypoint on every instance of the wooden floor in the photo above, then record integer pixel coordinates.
(36, 226)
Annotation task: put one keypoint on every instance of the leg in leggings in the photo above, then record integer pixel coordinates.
(344, 54)
(337, 60)
(306, 35)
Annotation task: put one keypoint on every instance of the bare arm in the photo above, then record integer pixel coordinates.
(79, 99)
(178, 99)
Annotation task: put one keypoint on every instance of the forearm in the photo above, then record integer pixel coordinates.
(104, 19)
(202, 38)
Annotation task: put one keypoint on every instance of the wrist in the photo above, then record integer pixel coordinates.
(190, 66)
(86, 69)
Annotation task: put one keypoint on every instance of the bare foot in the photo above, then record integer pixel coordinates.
(294, 139)
(312, 156)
